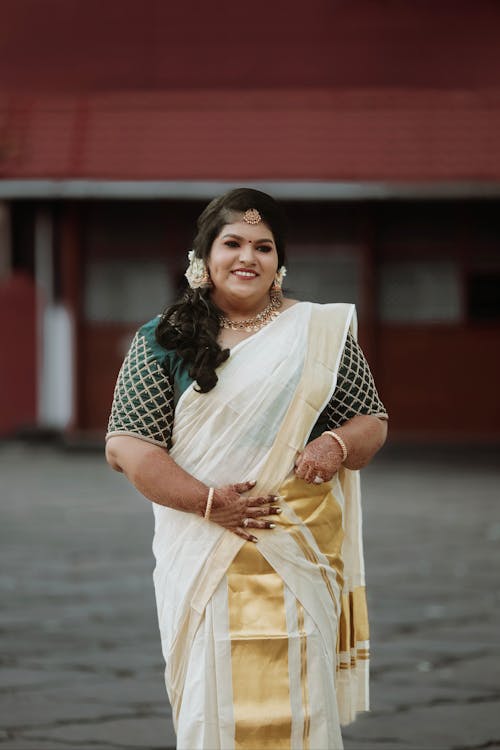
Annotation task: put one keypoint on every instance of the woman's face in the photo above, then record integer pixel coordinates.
(243, 261)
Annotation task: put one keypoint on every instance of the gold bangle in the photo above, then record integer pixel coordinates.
(339, 441)
(210, 498)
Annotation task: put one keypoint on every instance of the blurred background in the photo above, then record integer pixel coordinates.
(377, 124)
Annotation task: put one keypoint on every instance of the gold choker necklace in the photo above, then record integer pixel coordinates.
(268, 314)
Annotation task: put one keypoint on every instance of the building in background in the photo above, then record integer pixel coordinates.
(377, 124)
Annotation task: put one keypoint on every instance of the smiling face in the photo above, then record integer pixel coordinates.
(242, 263)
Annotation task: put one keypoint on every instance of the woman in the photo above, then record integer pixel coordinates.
(244, 417)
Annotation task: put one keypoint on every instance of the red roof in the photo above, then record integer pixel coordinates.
(287, 133)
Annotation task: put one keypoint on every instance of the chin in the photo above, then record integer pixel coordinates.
(246, 289)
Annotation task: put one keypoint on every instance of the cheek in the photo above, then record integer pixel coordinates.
(217, 266)
(272, 265)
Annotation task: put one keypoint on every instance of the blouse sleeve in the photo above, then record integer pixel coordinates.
(355, 392)
(143, 401)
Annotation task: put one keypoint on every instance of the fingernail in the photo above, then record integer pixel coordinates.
(252, 481)
(279, 510)
(254, 538)
(272, 526)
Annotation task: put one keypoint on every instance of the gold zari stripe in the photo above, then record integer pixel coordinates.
(303, 676)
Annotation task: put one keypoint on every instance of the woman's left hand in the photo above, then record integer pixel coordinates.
(320, 458)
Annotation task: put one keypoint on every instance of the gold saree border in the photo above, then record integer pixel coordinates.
(259, 635)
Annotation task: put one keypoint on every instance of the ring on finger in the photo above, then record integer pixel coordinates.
(245, 522)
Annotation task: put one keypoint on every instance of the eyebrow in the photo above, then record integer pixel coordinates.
(265, 239)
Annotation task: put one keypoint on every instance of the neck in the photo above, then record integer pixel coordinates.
(238, 309)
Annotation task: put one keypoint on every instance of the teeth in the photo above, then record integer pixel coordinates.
(244, 273)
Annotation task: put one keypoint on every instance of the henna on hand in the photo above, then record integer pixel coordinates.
(231, 509)
(321, 457)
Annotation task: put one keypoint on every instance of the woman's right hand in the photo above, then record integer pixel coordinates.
(230, 509)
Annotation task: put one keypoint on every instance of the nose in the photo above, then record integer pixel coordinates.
(246, 253)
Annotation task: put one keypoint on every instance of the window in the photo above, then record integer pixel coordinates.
(483, 295)
(125, 291)
(420, 291)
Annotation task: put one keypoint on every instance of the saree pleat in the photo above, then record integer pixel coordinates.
(266, 645)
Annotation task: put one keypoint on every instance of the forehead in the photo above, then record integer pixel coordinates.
(252, 232)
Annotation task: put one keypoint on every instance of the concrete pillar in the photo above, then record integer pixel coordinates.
(55, 345)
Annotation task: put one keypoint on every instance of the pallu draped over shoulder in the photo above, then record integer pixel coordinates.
(265, 645)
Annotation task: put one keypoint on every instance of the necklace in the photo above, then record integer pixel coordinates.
(268, 314)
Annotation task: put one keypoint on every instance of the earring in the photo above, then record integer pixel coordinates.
(275, 290)
(197, 272)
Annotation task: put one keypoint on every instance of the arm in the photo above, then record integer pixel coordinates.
(363, 436)
(355, 412)
(155, 474)
(160, 479)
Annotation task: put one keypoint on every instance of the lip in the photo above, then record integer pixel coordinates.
(238, 272)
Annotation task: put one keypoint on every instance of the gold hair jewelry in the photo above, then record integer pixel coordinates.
(197, 272)
(268, 314)
(252, 216)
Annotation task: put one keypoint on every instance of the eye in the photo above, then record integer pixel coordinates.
(231, 243)
(265, 248)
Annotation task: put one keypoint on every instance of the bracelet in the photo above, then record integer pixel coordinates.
(339, 441)
(210, 498)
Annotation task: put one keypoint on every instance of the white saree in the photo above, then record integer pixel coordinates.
(265, 645)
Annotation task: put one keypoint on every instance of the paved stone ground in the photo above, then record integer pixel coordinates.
(81, 659)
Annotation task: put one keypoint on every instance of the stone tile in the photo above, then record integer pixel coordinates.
(462, 725)
(15, 679)
(137, 732)
(44, 708)
(18, 742)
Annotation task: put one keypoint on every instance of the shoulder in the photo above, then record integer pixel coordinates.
(287, 302)
(147, 331)
(336, 314)
(335, 306)
(168, 360)
(152, 349)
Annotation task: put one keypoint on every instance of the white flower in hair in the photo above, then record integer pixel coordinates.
(197, 273)
(280, 275)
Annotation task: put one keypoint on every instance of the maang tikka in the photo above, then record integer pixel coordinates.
(252, 216)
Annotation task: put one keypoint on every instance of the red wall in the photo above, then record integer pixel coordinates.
(18, 359)
(440, 382)
(153, 45)
(103, 345)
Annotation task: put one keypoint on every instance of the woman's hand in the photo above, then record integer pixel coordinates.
(231, 510)
(321, 458)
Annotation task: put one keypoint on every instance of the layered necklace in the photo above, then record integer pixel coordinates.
(268, 314)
